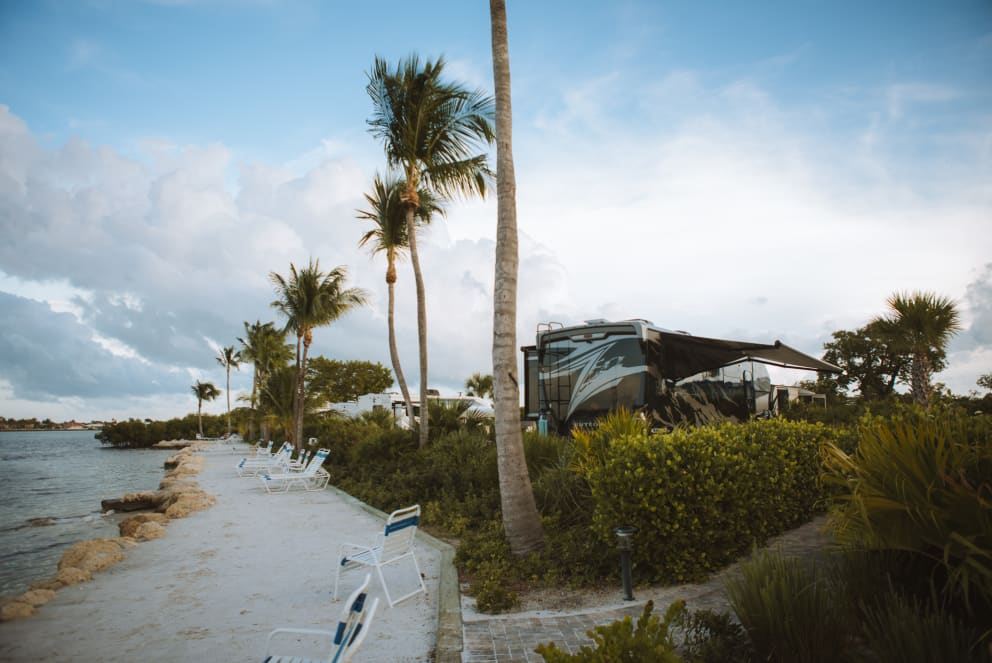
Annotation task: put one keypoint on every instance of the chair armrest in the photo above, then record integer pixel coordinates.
(298, 631)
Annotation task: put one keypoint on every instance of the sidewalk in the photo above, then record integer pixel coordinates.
(221, 579)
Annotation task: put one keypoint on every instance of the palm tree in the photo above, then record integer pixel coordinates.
(521, 521)
(310, 298)
(430, 130)
(925, 322)
(229, 358)
(205, 391)
(389, 235)
(265, 347)
(479, 385)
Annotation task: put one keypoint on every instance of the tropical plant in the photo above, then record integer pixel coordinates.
(479, 385)
(520, 517)
(229, 358)
(278, 399)
(310, 298)
(204, 391)
(265, 347)
(921, 484)
(985, 381)
(925, 322)
(390, 235)
(873, 357)
(431, 131)
(334, 381)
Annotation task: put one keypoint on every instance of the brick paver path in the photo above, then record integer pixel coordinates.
(512, 638)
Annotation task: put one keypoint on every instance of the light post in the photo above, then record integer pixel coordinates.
(625, 543)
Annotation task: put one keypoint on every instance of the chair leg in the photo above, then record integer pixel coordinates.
(385, 588)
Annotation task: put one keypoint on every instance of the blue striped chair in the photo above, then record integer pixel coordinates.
(353, 626)
(394, 545)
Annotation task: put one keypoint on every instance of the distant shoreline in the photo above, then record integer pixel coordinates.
(50, 430)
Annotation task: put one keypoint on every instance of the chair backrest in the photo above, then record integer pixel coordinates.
(353, 626)
(284, 453)
(401, 529)
(315, 462)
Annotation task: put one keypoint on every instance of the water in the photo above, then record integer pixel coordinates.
(51, 484)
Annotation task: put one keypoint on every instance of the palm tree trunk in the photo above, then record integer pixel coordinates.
(199, 415)
(394, 354)
(301, 393)
(228, 399)
(296, 391)
(418, 277)
(920, 378)
(521, 520)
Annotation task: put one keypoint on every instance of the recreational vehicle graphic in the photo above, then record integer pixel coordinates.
(575, 375)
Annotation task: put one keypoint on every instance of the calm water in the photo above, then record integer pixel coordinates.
(51, 484)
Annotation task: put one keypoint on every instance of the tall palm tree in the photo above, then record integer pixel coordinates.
(265, 347)
(390, 235)
(925, 322)
(310, 298)
(431, 131)
(521, 521)
(205, 391)
(229, 358)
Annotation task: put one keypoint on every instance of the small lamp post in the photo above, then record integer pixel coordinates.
(625, 543)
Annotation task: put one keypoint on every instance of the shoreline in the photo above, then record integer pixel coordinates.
(84, 558)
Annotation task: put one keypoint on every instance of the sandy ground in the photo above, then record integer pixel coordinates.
(221, 579)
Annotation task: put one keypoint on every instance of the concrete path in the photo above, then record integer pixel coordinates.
(221, 579)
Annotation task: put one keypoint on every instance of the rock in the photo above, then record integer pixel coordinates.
(130, 526)
(172, 444)
(36, 597)
(73, 576)
(91, 556)
(53, 584)
(149, 531)
(188, 502)
(145, 504)
(16, 610)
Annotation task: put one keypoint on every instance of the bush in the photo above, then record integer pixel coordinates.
(622, 642)
(922, 483)
(712, 637)
(701, 497)
(789, 610)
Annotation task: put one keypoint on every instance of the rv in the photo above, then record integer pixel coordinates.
(575, 375)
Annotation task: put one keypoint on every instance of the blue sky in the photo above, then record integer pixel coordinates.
(749, 170)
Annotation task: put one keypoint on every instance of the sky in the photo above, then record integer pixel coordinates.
(755, 171)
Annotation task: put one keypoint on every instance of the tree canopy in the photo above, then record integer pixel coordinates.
(334, 381)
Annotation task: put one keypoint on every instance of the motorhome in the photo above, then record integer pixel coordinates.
(575, 375)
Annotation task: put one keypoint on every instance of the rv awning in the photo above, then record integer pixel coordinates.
(684, 355)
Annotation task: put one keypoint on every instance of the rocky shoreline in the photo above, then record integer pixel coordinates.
(177, 497)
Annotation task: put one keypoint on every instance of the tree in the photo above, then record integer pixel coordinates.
(278, 398)
(925, 322)
(205, 391)
(985, 381)
(873, 359)
(391, 236)
(265, 347)
(310, 298)
(430, 130)
(229, 358)
(479, 385)
(521, 521)
(333, 381)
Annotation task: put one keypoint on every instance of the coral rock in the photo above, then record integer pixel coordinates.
(94, 555)
(37, 597)
(130, 526)
(149, 531)
(16, 610)
(72, 576)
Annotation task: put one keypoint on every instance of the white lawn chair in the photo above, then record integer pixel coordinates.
(393, 545)
(347, 638)
(312, 478)
(252, 466)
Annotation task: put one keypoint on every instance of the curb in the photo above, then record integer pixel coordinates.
(448, 648)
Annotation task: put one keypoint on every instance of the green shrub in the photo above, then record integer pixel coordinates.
(922, 483)
(491, 589)
(790, 610)
(713, 637)
(909, 632)
(622, 642)
(701, 497)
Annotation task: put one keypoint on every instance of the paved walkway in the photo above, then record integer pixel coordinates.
(512, 638)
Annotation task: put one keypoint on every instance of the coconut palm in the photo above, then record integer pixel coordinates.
(479, 385)
(389, 235)
(310, 298)
(265, 347)
(431, 131)
(229, 358)
(205, 391)
(925, 322)
(521, 521)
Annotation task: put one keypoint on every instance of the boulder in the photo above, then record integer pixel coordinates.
(15, 610)
(149, 531)
(130, 526)
(36, 597)
(73, 576)
(93, 555)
